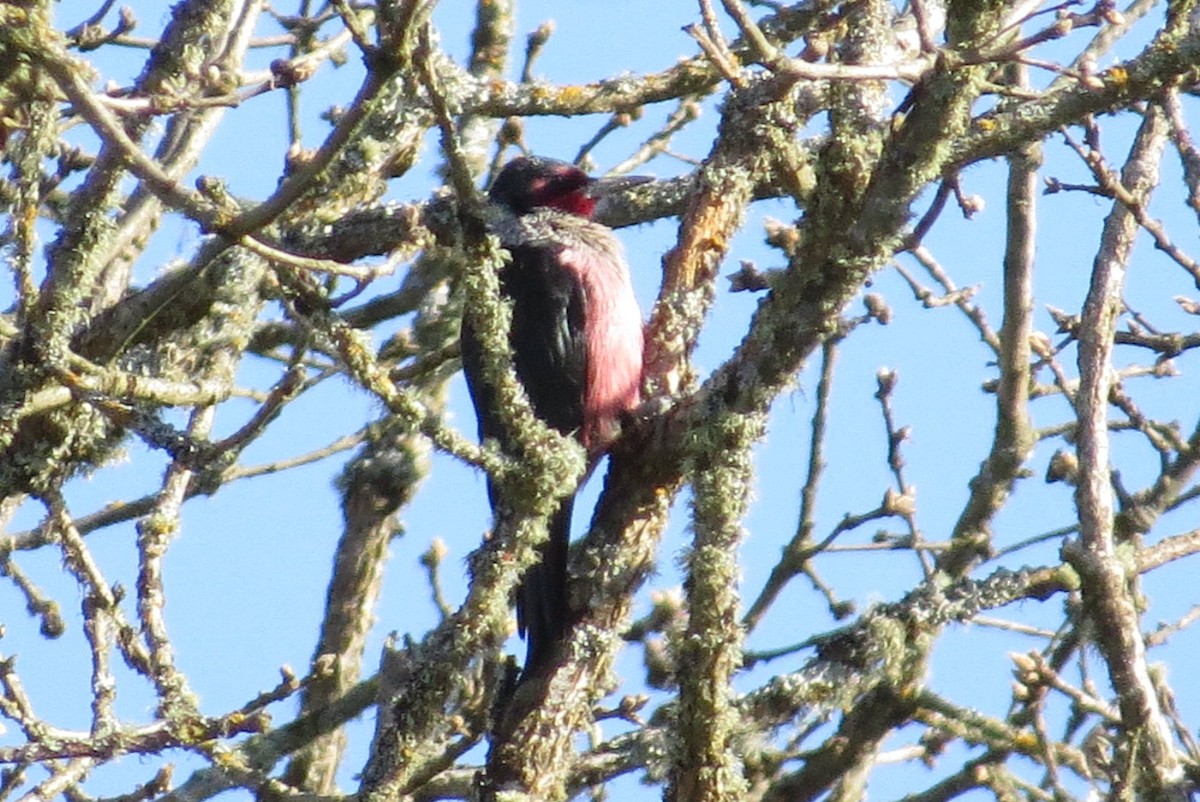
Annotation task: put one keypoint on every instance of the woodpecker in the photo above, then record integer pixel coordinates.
(576, 341)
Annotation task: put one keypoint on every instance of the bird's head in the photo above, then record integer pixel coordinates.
(528, 183)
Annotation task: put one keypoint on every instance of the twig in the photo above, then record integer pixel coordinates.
(431, 560)
(37, 603)
(1104, 580)
(685, 113)
(799, 549)
(533, 48)
(973, 312)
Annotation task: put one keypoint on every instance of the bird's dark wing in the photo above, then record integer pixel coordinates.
(548, 334)
(547, 339)
(550, 356)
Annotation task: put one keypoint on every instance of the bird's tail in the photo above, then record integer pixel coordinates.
(542, 608)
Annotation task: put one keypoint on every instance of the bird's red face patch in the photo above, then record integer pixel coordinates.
(566, 191)
(574, 203)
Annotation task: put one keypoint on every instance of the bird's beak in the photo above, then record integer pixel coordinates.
(615, 185)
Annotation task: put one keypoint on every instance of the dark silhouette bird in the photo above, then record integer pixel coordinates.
(576, 340)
